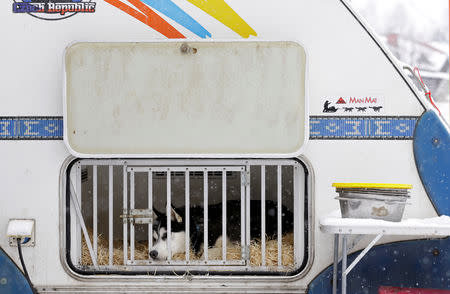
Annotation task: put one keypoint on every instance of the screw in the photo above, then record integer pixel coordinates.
(435, 252)
(184, 48)
(435, 141)
(3, 281)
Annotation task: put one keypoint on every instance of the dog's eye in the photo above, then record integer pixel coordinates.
(156, 225)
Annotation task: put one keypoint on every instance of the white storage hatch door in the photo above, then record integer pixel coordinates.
(185, 99)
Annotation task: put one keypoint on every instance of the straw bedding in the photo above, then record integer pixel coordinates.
(214, 253)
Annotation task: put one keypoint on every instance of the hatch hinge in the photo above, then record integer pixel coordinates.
(137, 216)
(246, 178)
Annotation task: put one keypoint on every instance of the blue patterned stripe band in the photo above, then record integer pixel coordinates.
(31, 128)
(321, 127)
(362, 127)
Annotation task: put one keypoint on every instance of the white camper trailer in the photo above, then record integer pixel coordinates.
(191, 146)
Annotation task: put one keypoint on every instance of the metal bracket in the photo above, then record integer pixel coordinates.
(361, 255)
(246, 178)
(245, 253)
(137, 216)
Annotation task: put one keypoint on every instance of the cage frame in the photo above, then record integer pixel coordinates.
(127, 272)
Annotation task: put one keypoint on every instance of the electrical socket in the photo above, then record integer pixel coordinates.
(14, 233)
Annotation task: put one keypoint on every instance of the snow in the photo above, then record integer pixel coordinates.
(435, 226)
(417, 33)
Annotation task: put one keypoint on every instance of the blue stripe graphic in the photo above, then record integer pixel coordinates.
(325, 127)
(321, 127)
(171, 10)
(31, 128)
(6, 128)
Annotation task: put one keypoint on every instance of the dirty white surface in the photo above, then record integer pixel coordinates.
(434, 226)
(342, 58)
(240, 98)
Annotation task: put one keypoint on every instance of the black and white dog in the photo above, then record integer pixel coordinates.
(159, 251)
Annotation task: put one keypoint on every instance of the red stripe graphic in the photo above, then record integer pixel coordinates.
(149, 17)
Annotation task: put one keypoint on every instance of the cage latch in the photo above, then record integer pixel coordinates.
(137, 216)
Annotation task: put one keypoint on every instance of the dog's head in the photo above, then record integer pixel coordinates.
(159, 250)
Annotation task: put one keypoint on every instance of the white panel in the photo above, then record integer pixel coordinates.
(218, 98)
(342, 59)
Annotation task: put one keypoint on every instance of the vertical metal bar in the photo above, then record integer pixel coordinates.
(187, 210)
(205, 213)
(125, 211)
(263, 215)
(132, 223)
(335, 262)
(111, 210)
(79, 198)
(224, 214)
(94, 209)
(279, 206)
(247, 213)
(169, 215)
(150, 206)
(296, 224)
(75, 238)
(299, 212)
(344, 264)
(243, 214)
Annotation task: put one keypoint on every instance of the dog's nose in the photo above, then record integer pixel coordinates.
(153, 254)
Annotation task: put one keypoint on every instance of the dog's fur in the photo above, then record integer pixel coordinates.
(159, 251)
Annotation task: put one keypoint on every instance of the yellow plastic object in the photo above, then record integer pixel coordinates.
(372, 185)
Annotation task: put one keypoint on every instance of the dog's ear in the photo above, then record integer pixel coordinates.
(175, 215)
(156, 213)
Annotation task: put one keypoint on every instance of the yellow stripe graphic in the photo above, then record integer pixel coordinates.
(226, 15)
(372, 185)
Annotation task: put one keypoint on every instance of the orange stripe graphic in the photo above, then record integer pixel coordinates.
(149, 17)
